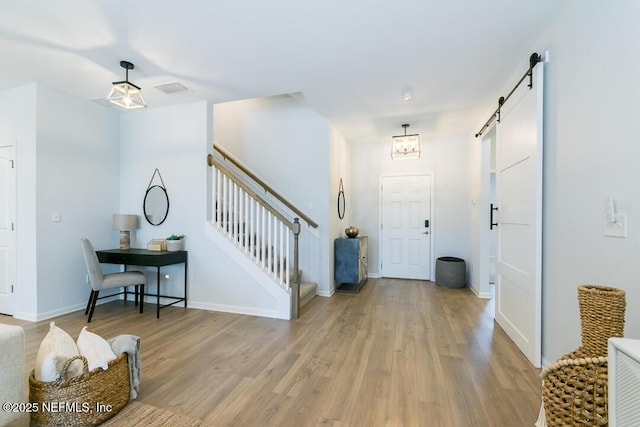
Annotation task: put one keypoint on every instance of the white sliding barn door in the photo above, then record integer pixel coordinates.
(519, 197)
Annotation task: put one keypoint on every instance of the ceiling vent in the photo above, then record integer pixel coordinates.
(170, 88)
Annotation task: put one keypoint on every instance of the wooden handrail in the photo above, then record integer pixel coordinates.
(261, 183)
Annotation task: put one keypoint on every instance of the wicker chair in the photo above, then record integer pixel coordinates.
(574, 391)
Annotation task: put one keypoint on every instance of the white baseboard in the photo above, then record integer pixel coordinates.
(325, 293)
(26, 315)
(37, 317)
(249, 311)
(483, 295)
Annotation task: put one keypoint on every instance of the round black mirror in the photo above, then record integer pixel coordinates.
(156, 205)
(341, 201)
(341, 205)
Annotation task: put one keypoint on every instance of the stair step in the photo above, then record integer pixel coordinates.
(307, 292)
(292, 276)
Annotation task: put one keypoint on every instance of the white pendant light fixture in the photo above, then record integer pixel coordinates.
(405, 146)
(125, 94)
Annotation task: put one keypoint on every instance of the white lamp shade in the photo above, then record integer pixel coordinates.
(125, 222)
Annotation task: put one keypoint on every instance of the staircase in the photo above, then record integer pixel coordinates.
(261, 230)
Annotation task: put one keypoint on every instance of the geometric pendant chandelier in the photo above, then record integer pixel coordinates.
(405, 146)
(125, 94)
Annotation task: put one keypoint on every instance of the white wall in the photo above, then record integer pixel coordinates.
(286, 144)
(340, 166)
(591, 107)
(175, 140)
(591, 152)
(67, 161)
(18, 127)
(77, 176)
(448, 160)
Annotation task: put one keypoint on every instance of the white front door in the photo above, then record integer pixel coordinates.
(519, 197)
(7, 233)
(406, 227)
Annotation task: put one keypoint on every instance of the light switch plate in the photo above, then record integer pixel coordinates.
(618, 228)
(55, 216)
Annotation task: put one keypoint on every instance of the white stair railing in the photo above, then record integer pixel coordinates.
(256, 228)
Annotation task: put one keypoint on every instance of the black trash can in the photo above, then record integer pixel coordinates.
(451, 272)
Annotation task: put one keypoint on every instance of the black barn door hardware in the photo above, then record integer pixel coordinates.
(533, 60)
(491, 223)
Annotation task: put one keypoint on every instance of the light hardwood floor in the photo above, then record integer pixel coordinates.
(400, 353)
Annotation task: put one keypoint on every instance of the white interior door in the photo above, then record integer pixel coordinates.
(519, 197)
(406, 227)
(7, 234)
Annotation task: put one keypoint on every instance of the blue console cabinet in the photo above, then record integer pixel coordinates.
(350, 263)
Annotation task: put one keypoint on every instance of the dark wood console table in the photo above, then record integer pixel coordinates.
(147, 258)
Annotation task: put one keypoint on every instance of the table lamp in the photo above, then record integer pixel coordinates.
(125, 223)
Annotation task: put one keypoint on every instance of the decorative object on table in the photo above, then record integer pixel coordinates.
(575, 387)
(175, 242)
(157, 245)
(351, 232)
(341, 201)
(125, 223)
(156, 201)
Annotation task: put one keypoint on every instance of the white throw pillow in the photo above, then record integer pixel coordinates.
(96, 349)
(55, 349)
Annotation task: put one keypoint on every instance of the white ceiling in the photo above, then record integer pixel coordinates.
(351, 60)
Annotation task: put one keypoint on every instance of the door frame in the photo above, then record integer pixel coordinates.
(431, 218)
(12, 200)
(487, 166)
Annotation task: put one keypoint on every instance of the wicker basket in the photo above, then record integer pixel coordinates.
(85, 400)
(575, 387)
(575, 390)
(602, 312)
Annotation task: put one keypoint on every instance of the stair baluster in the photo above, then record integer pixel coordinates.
(257, 228)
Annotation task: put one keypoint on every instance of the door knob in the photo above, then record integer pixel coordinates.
(426, 232)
